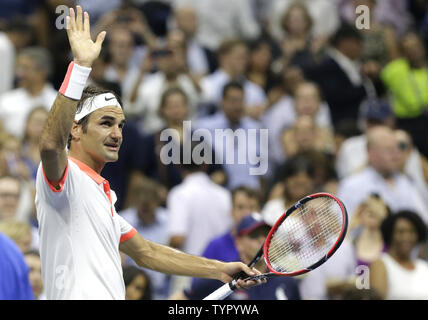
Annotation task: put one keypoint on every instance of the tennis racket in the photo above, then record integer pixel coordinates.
(301, 240)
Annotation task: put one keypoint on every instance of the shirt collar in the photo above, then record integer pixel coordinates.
(88, 170)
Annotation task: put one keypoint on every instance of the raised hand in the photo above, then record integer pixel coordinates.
(85, 51)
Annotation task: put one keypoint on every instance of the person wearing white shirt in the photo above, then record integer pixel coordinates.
(223, 19)
(34, 65)
(381, 176)
(233, 59)
(199, 211)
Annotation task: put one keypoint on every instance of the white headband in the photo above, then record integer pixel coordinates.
(95, 103)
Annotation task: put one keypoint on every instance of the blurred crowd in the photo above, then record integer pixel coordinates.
(346, 111)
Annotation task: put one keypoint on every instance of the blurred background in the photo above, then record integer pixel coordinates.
(346, 110)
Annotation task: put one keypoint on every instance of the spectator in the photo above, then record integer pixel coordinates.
(323, 13)
(174, 111)
(10, 193)
(276, 118)
(259, 69)
(397, 275)
(145, 103)
(238, 159)
(251, 232)
(14, 284)
(121, 46)
(340, 72)
(30, 142)
(137, 284)
(405, 78)
(32, 258)
(381, 176)
(295, 182)
(150, 220)
(18, 231)
(232, 19)
(186, 20)
(199, 211)
(233, 63)
(364, 229)
(352, 155)
(299, 47)
(32, 70)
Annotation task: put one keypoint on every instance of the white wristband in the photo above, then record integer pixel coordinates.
(74, 81)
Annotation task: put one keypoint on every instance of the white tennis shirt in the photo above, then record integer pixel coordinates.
(80, 232)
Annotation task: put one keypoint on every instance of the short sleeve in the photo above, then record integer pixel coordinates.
(126, 230)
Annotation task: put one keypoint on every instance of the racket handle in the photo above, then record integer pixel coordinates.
(221, 293)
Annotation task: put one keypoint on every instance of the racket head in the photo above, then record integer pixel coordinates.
(289, 250)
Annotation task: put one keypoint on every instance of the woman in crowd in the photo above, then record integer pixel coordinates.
(398, 275)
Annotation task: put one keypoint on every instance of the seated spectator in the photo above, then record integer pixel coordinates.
(199, 210)
(397, 275)
(150, 220)
(340, 72)
(174, 110)
(33, 68)
(323, 13)
(137, 284)
(405, 79)
(10, 193)
(352, 154)
(121, 48)
(32, 258)
(299, 47)
(239, 156)
(14, 284)
(144, 105)
(186, 20)
(18, 231)
(295, 181)
(381, 176)
(30, 142)
(259, 69)
(305, 135)
(233, 63)
(251, 232)
(364, 229)
(232, 19)
(281, 104)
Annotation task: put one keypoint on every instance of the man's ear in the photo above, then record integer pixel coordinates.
(76, 131)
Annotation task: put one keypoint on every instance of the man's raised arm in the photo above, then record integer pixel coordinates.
(61, 117)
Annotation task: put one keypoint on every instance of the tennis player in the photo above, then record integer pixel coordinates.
(80, 232)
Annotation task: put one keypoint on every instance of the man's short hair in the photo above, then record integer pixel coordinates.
(250, 192)
(346, 31)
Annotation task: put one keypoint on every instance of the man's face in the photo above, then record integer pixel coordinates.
(243, 205)
(187, 21)
(233, 105)
(103, 137)
(248, 247)
(298, 186)
(9, 197)
(384, 154)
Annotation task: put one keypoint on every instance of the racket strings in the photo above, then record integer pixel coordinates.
(306, 236)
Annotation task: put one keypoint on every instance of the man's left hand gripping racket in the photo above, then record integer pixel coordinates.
(302, 239)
